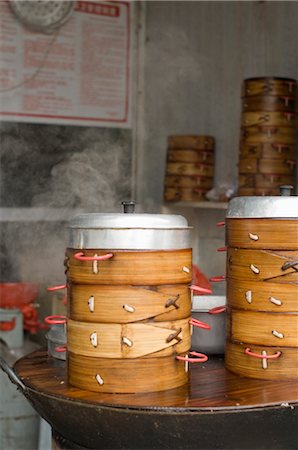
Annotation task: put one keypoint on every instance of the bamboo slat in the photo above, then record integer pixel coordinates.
(184, 181)
(273, 234)
(261, 265)
(269, 103)
(185, 194)
(285, 367)
(131, 268)
(269, 86)
(133, 340)
(126, 376)
(278, 118)
(125, 304)
(268, 150)
(267, 181)
(267, 166)
(263, 328)
(268, 134)
(262, 296)
(191, 141)
(190, 156)
(205, 170)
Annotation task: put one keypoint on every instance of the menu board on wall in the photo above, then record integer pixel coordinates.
(79, 75)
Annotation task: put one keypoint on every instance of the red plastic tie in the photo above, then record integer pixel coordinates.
(80, 257)
(200, 357)
(199, 324)
(257, 355)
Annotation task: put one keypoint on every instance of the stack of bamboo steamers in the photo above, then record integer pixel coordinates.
(262, 287)
(189, 168)
(128, 327)
(268, 133)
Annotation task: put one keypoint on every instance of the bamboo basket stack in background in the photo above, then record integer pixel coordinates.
(268, 152)
(189, 168)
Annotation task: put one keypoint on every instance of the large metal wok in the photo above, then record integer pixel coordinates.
(217, 410)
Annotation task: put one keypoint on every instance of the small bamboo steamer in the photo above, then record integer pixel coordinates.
(126, 375)
(263, 328)
(267, 150)
(269, 166)
(267, 181)
(190, 182)
(103, 303)
(264, 86)
(131, 267)
(184, 194)
(132, 340)
(190, 156)
(280, 118)
(262, 234)
(268, 134)
(269, 103)
(205, 170)
(191, 142)
(267, 296)
(261, 265)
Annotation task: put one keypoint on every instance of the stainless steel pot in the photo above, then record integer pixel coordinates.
(129, 231)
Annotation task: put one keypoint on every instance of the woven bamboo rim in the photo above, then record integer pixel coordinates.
(267, 166)
(269, 103)
(192, 182)
(131, 268)
(262, 265)
(190, 156)
(284, 367)
(185, 194)
(263, 328)
(205, 170)
(191, 141)
(126, 375)
(269, 134)
(243, 191)
(262, 296)
(262, 233)
(267, 150)
(266, 181)
(125, 304)
(279, 118)
(269, 86)
(132, 340)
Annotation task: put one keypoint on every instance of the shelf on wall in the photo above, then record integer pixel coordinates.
(202, 205)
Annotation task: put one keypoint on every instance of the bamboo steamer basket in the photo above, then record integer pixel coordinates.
(264, 86)
(191, 142)
(267, 166)
(205, 170)
(256, 296)
(132, 340)
(268, 134)
(249, 192)
(185, 194)
(190, 156)
(267, 150)
(190, 182)
(262, 281)
(269, 103)
(279, 118)
(263, 328)
(261, 180)
(272, 363)
(126, 375)
(92, 303)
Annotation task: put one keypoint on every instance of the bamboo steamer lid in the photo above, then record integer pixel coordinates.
(129, 231)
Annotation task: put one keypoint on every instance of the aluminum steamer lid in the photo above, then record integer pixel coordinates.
(129, 232)
(263, 207)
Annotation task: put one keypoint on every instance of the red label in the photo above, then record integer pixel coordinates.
(98, 8)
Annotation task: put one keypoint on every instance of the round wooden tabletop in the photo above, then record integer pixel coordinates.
(217, 409)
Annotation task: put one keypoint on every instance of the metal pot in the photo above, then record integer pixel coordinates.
(129, 231)
(56, 338)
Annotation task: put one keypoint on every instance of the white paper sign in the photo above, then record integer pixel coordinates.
(80, 75)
